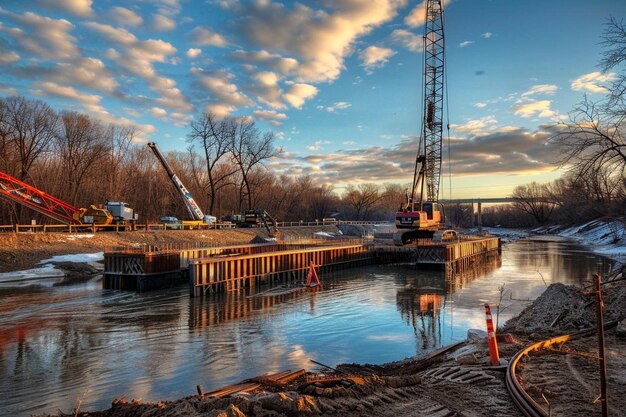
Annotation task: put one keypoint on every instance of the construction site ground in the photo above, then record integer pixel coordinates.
(459, 382)
(19, 251)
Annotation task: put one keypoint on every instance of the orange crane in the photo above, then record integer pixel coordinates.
(421, 217)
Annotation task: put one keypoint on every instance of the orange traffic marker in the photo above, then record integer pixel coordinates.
(491, 338)
(311, 279)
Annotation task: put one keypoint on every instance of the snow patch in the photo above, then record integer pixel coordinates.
(605, 236)
(325, 234)
(74, 237)
(27, 277)
(48, 274)
(78, 258)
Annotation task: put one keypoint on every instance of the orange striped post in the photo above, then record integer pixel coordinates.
(311, 279)
(491, 338)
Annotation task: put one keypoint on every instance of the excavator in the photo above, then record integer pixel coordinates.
(199, 218)
(261, 217)
(420, 217)
(14, 190)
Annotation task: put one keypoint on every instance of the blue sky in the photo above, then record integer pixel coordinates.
(337, 81)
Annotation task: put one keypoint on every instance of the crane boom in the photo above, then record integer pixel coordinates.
(190, 203)
(421, 213)
(428, 161)
(15, 190)
(432, 125)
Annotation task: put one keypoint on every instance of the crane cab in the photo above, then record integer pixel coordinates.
(428, 218)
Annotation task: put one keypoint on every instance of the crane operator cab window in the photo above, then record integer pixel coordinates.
(433, 211)
(428, 208)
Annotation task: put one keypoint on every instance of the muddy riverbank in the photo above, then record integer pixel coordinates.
(415, 386)
(410, 387)
(19, 251)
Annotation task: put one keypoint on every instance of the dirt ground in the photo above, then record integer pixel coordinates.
(19, 251)
(458, 382)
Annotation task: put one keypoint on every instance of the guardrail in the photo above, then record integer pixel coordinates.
(90, 228)
(301, 243)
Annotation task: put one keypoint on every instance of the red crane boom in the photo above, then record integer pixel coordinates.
(15, 190)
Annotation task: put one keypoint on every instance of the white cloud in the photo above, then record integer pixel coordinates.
(88, 72)
(173, 98)
(593, 82)
(7, 57)
(549, 89)
(163, 23)
(113, 34)
(42, 36)
(50, 89)
(340, 105)
(158, 112)
(222, 89)
(193, 52)
(265, 87)
(299, 93)
(465, 43)
(375, 57)
(476, 126)
(487, 35)
(317, 145)
(274, 117)
(205, 37)
(125, 17)
(417, 16)
(539, 108)
(409, 40)
(480, 105)
(273, 61)
(81, 8)
(219, 110)
(319, 38)
(138, 57)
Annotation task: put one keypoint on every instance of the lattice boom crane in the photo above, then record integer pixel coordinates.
(420, 215)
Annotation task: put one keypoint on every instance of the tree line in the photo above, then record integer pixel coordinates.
(81, 160)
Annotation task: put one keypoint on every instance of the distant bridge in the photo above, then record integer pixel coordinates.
(489, 200)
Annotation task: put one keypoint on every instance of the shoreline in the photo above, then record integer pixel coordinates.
(394, 389)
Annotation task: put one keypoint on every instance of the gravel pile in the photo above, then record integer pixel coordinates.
(560, 307)
(564, 308)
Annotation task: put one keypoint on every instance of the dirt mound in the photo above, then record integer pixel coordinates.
(559, 307)
(564, 307)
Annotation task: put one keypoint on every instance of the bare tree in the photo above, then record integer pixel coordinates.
(460, 215)
(532, 199)
(81, 143)
(362, 199)
(591, 140)
(215, 137)
(119, 142)
(249, 150)
(30, 126)
(614, 55)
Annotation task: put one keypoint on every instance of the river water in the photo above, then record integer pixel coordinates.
(64, 343)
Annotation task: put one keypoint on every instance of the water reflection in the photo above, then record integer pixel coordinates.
(420, 305)
(215, 309)
(79, 341)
